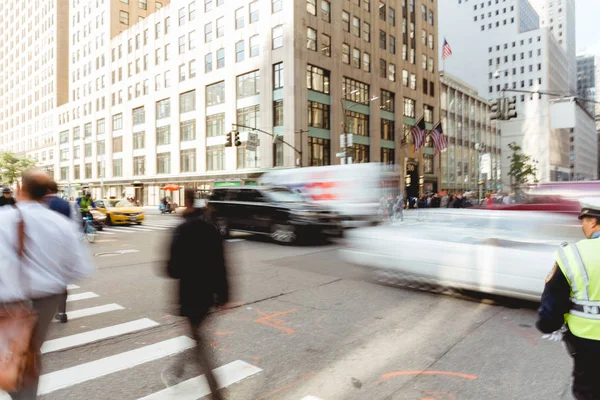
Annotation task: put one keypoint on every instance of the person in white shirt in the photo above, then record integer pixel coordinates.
(507, 199)
(53, 256)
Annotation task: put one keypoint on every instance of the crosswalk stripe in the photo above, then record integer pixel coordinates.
(310, 398)
(81, 296)
(88, 312)
(104, 233)
(72, 287)
(196, 388)
(96, 335)
(64, 378)
(118, 229)
(161, 225)
(148, 228)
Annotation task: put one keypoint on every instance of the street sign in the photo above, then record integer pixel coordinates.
(340, 155)
(252, 142)
(348, 140)
(345, 139)
(342, 140)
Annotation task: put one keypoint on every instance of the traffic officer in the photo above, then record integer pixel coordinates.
(7, 199)
(572, 298)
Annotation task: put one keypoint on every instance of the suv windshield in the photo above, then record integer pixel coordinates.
(282, 195)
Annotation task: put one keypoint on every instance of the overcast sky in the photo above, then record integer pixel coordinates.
(588, 30)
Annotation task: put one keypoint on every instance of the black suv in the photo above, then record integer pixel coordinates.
(275, 211)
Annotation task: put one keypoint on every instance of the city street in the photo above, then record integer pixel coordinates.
(302, 325)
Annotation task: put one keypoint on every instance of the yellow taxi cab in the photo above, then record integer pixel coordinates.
(120, 211)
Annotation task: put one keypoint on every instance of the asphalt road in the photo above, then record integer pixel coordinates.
(304, 324)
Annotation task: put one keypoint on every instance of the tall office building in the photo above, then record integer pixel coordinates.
(153, 104)
(500, 46)
(586, 81)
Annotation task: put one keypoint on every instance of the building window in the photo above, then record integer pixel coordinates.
(409, 108)
(277, 34)
(249, 116)
(187, 102)
(428, 114)
(356, 123)
(382, 11)
(359, 153)
(139, 139)
(387, 101)
(181, 44)
(355, 91)
(311, 7)
(64, 137)
(117, 122)
(215, 125)
(392, 44)
(317, 79)
(254, 12)
(278, 113)
(188, 160)
(87, 149)
(208, 32)
(221, 27)
(318, 115)
(64, 154)
(220, 58)
(215, 94)
(192, 69)
(356, 58)
(366, 62)
(100, 127)
(239, 51)
(208, 5)
(139, 116)
(345, 53)
(326, 10)
(356, 26)
(88, 171)
(254, 46)
(117, 145)
(311, 39)
(276, 6)
(392, 72)
(192, 11)
(76, 152)
(124, 17)
(181, 15)
(346, 21)
(139, 165)
(64, 173)
(208, 62)
(163, 109)
(318, 151)
(387, 129)
(382, 40)
(87, 130)
(163, 163)
(163, 135)
(382, 68)
(413, 81)
(182, 73)
(277, 76)
(248, 84)
(388, 156)
(239, 18)
(215, 158)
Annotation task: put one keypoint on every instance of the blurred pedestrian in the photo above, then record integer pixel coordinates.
(7, 199)
(399, 207)
(52, 255)
(506, 199)
(436, 201)
(571, 303)
(457, 202)
(203, 282)
(63, 207)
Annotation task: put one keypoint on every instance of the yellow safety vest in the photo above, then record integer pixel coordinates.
(580, 264)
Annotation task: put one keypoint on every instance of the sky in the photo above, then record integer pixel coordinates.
(588, 33)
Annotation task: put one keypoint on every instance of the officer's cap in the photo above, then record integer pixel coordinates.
(590, 207)
(6, 190)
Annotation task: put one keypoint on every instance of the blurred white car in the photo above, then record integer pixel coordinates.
(506, 253)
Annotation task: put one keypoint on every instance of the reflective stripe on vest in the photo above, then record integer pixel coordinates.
(586, 309)
(578, 293)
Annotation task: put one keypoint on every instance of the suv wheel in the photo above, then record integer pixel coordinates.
(283, 233)
(223, 228)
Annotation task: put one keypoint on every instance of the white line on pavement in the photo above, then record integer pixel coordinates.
(104, 233)
(95, 335)
(118, 229)
(158, 224)
(81, 296)
(236, 240)
(87, 312)
(148, 228)
(196, 388)
(72, 287)
(64, 378)
(310, 398)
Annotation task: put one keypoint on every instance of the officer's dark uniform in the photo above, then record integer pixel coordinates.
(556, 303)
(6, 201)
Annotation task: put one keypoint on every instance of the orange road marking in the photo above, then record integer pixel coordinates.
(225, 333)
(272, 321)
(404, 373)
(287, 387)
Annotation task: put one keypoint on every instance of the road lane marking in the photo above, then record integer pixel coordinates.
(310, 398)
(67, 377)
(72, 287)
(104, 233)
(148, 228)
(81, 296)
(197, 387)
(118, 229)
(87, 312)
(236, 240)
(96, 335)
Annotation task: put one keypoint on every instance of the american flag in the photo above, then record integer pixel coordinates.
(446, 50)
(419, 132)
(439, 140)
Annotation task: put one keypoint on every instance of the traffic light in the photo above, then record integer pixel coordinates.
(237, 142)
(228, 142)
(511, 108)
(496, 111)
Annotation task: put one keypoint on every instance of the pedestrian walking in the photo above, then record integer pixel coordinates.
(399, 207)
(203, 283)
(63, 207)
(40, 251)
(571, 303)
(7, 199)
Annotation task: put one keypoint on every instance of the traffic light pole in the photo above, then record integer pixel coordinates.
(236, 126)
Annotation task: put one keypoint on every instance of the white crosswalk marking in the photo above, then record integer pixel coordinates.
(196, 388)
(80, 339)
(104, 233)
(65, 378)
(118, 229)
(148, 228)
(310, 398)
(88, 312)
(72, 287)
(81, 296)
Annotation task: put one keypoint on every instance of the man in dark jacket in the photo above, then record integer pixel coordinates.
(7, 199)
(63, 207)
(203, 282)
